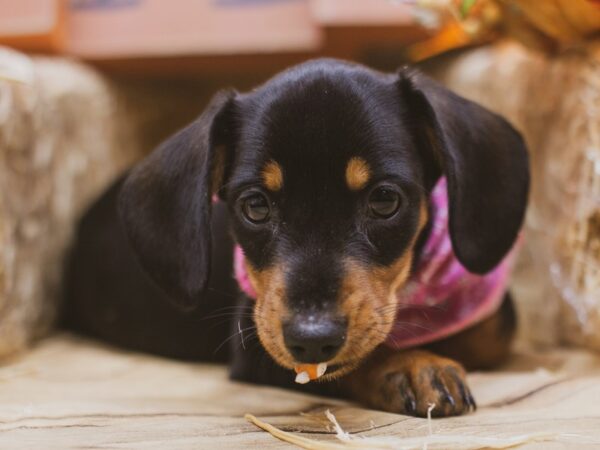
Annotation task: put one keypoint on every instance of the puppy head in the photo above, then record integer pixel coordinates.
(326, 170)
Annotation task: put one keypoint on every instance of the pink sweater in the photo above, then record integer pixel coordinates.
(441, 297)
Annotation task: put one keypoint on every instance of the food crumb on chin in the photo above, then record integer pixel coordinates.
(309, 372)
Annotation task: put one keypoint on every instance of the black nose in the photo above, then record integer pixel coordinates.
(314, 339)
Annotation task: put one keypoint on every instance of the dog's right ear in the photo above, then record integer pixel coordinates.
(165, 203)
(485, 162)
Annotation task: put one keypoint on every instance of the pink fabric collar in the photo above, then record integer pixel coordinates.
(441, 297)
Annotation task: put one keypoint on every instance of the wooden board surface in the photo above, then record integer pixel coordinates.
(73, 393)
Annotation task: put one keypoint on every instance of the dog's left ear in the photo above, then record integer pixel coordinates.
(486, 165)
(165, 203)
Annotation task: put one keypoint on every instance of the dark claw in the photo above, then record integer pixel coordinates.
(467, 398)
(471, 402)
(410, 404)
(441, 387)
(402, 392)
(449, 399)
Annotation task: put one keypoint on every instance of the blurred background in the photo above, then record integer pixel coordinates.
(87, 87)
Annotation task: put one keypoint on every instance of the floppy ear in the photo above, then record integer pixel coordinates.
(486, 165)
(165, 203)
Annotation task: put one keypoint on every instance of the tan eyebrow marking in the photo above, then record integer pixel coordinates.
(357, 173)
(272, 176)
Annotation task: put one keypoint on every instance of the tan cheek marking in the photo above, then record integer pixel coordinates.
(272, 176)
(357, 173)
(269, 310)
(369, 298)
(369, 302)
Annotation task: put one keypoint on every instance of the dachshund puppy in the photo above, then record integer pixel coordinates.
(372, 224)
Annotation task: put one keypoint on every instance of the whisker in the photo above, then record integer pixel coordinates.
(417, 325)
(241, 335)
(221, 292)
(234, 307)
(228, 314)
(232, 336)
(251, 342)
(399, 306)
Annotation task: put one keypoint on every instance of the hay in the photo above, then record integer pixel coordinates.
(66, 131)
(60, 143)
(555, 102)
(456, 441)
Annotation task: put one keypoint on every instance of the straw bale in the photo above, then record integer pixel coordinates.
(555, 102)
(66, 132)
(61, 141)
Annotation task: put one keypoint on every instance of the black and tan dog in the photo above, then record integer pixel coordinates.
(323, 174)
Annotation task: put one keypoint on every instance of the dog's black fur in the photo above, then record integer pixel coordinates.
(311, 120)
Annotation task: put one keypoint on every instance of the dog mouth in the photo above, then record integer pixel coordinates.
(332, 370)
(335, 371)
(351, 355)
(306, 373)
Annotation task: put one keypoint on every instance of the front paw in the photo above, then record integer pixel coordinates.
(409, 382)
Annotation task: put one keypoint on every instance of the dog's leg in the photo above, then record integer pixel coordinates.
(409, 381)
(484, 346)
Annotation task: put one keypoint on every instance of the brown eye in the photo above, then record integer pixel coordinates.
(384, 202)
(256, 208)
